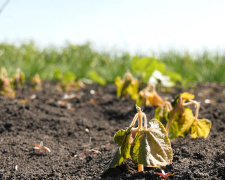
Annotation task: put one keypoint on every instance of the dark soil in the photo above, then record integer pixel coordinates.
(98, 117)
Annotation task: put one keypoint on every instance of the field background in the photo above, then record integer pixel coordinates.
(86, 63)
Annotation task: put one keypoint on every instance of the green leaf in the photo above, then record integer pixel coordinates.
(96, 78)
(69, 77)
(121, 135)
(117, 159)
(173, 131)
(146, 66)
(200, 128)
(57, 75)
(123, 152)
(174, 77)
(163, 119)
(152, 147)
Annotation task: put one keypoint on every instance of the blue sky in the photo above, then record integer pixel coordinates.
(133, 25)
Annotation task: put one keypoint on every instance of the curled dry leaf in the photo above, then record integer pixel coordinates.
(149, 96)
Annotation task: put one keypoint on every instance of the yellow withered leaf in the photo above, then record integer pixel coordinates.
(119, 84)
(185, 122)
(187, 95)
(200, 128)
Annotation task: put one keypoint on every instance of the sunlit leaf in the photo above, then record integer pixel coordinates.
(127, 87)
(174, 76)
(57, 74)
(184, 96)
(132, 89)
(119, 85)
(187, 95)
(185, 122)
(200, 128)
(8, 92)
(117, 159)
(152, 147)
(123, 152)
(96, 78)
(163, 119)
(174, 130)
(146, 66)
(121, 135)
(36, 82)
(139, 100)
(69, 77)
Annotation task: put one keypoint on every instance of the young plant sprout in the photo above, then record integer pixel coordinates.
(128, 86)
(5, 84)
(19, 79)
(36, 82)
(40, 146)
(147, 97)
(87, 151)
(165, 175)
(181, 121)
(147, 146)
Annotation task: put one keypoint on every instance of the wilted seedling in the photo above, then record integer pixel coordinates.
(165, 175)
(181, 121)
(19, 79)
(4, 79)
(128, 86)
(149, 96)
(40, 146)
(36, 82)
(5, 84)
(87, 151)
(67, 81)
(23, 101)
(148, 147)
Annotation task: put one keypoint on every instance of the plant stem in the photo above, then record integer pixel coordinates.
(197, 107)
(139, 120)
(170, 120)
(134, 120)
(140, 167)
(140, 114)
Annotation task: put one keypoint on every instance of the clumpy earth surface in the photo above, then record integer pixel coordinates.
(90, 121)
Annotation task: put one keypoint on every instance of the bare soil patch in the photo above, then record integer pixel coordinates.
(99, 116)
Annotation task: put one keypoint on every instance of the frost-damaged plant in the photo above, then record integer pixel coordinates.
(40, 146)
(36, 82)
(128, 86)
(149, 96)
(147, 146)
(181, 121)
(5, 84)
(19, 79)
